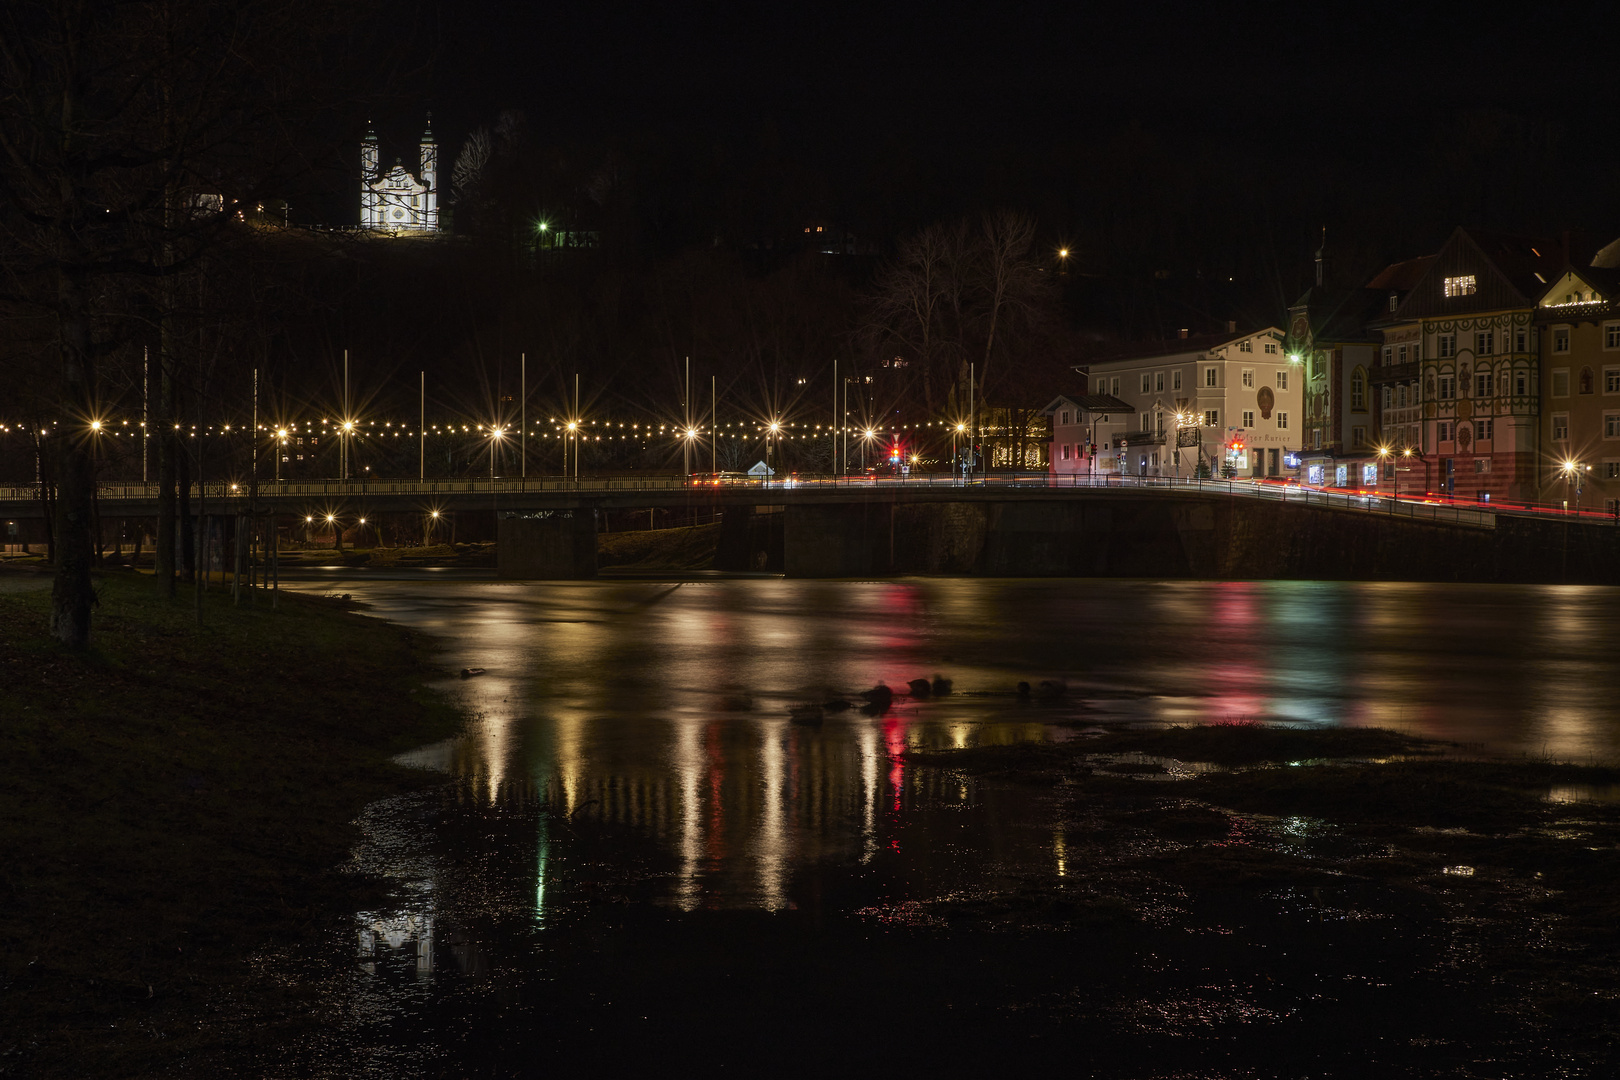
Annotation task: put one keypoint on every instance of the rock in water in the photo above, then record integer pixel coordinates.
(942, 686)
(1050, 691)
(1023, 689)
(920, 688)
(879, 696)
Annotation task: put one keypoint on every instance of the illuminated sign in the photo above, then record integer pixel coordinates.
(1369, 476)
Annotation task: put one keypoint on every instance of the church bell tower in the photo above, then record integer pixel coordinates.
(430, 178)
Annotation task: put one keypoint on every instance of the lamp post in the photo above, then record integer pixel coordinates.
(1187, 435)
(956, 452)
(774, 430)
(281, 442)
(495, 436)
(1384, 453)
(573, 430)
(867, 435)
(345, 437)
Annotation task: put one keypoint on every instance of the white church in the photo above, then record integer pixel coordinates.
(398, 201)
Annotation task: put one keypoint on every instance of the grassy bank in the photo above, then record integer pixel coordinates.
(174, 801)
(687, 548)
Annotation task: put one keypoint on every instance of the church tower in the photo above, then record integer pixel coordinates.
(370, 210)
(430, 178)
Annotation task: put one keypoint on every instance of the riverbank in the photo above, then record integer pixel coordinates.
(1335, 902)
(177, 801)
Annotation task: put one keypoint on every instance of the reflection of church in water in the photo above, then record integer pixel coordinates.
(399, 200)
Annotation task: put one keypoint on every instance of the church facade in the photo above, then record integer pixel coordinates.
(398, 200)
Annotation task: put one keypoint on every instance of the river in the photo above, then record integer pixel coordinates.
(632, 760)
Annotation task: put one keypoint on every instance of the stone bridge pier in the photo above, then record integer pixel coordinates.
(547, 544)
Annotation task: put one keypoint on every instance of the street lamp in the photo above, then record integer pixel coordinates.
(345, 437)
(1572, 471)
(281, 441)
(1187, 435)
(774, 430)
(496, 434)
(331, 519)
(573, 429)
(1384, 453)
(867, 436)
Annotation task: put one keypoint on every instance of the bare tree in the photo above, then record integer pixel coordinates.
(134, 137)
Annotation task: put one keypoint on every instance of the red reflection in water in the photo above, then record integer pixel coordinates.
(715, 848)
(894, 740)
(1234, 669)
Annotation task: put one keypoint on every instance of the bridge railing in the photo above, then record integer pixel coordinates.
(330, 491)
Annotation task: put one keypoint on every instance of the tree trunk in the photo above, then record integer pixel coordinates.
(163, 569)
(72, 593)
(188, 545)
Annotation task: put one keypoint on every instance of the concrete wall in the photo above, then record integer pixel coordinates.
(1153, 536)
(547, 544)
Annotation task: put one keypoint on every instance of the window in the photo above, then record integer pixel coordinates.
(1447, 388)
(1462, 285)
(1611, 380)
(1115, 390)
(1483, 340)
(1158, 380)
(1560, 382)
(1065, 451)
(1245, 346)
(1248, 418)
(1448, 345)
(1588, 380)
(1282, 380)
(1611, 335)
(1611, 469)
(1271, 348)
(1212, 418)
(1147, 421)
(1442, 431)
(1147, 383)
(1400, 353)
(1560, 339)
(1389, 397)
(1248, 377)
(1611, 425)
(1520, 382)
(1358, 436)
(1560, 424)
(1158, 421)
(1389, 355)
(1400, 395)
(1358, 390)
(1482, 384)
(1482, 465)
(1175, 380)
(1209, 376)
(1483, 430)
(1064, 417)
(1282, 421)
(1519, 337)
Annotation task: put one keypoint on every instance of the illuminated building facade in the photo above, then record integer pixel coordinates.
(1232, 398)
(397, 200)
(1578, 323)
(1466, 328)
(1328, 332)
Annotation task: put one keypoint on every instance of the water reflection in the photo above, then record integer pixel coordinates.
(664, 708)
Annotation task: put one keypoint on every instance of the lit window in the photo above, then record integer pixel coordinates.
(1212, 418)
(1462, 285)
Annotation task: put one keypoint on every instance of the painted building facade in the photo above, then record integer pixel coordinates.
(1467, 331)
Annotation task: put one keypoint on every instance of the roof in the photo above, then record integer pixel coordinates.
(1103, 403)
(1608, 256)
(1402, 276)
(1502, 271)
(1147, 350)
(1339, 314)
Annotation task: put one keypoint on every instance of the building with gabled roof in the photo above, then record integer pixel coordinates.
(1199, 403)
(1578, 322)
(1472, 364)
(1074, 430)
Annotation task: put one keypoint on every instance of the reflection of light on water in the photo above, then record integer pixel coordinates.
(894, 738)
(542, 855)
(868, 739)
(1060, 853)
(689, 768)
(570, 729)
(772, 840)
(395, 931)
